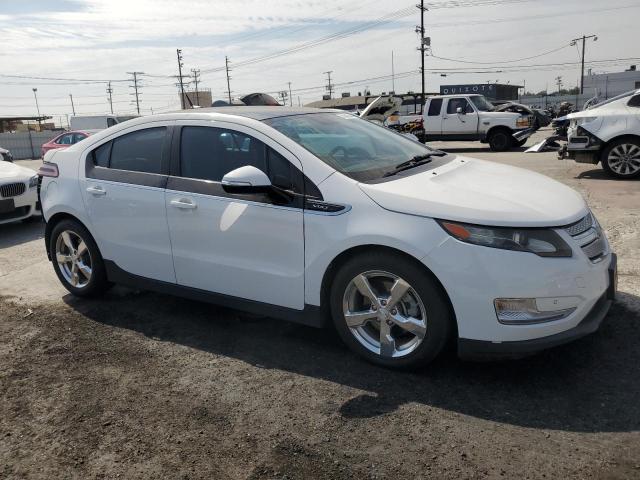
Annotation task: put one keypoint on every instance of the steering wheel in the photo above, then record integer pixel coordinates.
(351, 153)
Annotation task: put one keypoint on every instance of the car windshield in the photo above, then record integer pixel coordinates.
(481, 103)
(353, 146)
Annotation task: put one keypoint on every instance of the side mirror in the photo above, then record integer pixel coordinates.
(460, 111)
(247, 179)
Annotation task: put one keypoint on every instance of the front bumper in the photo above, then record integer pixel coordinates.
(24, 206)
(523, 134)
(480, 349)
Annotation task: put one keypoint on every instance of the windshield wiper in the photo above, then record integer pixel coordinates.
(414, 162)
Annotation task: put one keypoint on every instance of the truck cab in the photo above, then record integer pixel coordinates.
(472, 117)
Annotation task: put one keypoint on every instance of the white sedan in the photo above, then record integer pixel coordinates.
(18, 193)
(311, 215)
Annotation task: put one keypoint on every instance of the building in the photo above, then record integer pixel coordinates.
(493, 91)
(200, 97)
(607, 85)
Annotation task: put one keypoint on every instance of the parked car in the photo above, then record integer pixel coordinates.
(310, 214)
(5, 155)
(65, 140)
(608, 133)
(18, 193)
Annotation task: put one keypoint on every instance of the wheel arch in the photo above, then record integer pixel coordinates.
(354, 251)
(495, 128)
(609, 142)
(53, 221)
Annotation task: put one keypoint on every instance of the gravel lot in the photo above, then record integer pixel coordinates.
(141, 385)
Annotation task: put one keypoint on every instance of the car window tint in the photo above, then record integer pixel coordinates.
(209, 153)
(78, 136)
(139, 151)
(634, 101)
(101, 155)
(282, 173)
(65, 139)
(455, 103)
(434, 107)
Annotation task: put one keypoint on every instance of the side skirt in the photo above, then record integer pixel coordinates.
(311, 315)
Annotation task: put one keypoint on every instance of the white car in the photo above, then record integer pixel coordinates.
(18, 193)
(309, 214)
(609, 133)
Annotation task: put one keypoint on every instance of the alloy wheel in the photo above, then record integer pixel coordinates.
(624, 159)
(384, 313)
(74, 259)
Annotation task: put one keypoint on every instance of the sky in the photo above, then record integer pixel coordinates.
(85, 43)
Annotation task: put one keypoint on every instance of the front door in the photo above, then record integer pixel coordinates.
(123, 190)
(246, 246)
(461, 123)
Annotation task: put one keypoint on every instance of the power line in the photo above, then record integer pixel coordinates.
(500, 62)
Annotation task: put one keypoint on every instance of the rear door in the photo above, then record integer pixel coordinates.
(249, 246)
(454, 123)
(123, 186)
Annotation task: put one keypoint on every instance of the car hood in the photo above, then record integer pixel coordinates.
(381, 108)
(12, 171)
(481, 192)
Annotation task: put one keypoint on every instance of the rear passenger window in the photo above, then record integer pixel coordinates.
(139, 151)
(434, 107)
(208, 153)
(101, 155)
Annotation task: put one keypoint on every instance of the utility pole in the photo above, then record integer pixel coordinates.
(424, 44)
(73, 108)
(290, 97)
(226, 65)
(329, 86)
(559, 83)
(196, 79)
(135, 88)
(283, 97)
(180, 65)
(584, 40)
(110, 92)
(393, 75)
(35, 95)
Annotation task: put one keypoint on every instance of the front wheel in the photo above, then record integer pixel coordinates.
(500, 141)
(621, 159)
(77, 260)
(390, 311)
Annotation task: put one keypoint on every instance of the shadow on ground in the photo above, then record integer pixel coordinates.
(600, 174)
(590, 385)
(12, 234)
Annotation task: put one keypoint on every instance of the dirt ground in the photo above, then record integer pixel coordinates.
(141, 385)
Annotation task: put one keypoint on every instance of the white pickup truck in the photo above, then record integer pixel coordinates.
(471, 117)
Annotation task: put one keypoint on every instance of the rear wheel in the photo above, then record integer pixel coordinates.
(388, 309)
(77, 260)
(621, 159)
(500, 140)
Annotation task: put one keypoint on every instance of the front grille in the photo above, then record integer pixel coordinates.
(589, 236)
(12, 190)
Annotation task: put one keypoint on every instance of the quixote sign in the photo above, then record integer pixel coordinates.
(481, 88)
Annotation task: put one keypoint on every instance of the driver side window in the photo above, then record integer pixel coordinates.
(455, 103)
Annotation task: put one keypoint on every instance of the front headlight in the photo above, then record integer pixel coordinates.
(541, 241)
(33, 181)
(523, 122)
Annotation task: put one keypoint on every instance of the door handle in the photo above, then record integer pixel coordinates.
(97, 191)
(183, 203)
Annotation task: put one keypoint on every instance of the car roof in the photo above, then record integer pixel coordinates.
(258, 112)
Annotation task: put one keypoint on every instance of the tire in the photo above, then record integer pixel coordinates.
(423, 300)
(500, 140)
(66, 239)
(621, 159)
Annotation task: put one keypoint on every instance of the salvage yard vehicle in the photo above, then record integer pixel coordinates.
(64, 140)
(311, 215)
(608, 133)
(18, 193)
(473, 117)
(5, 155)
